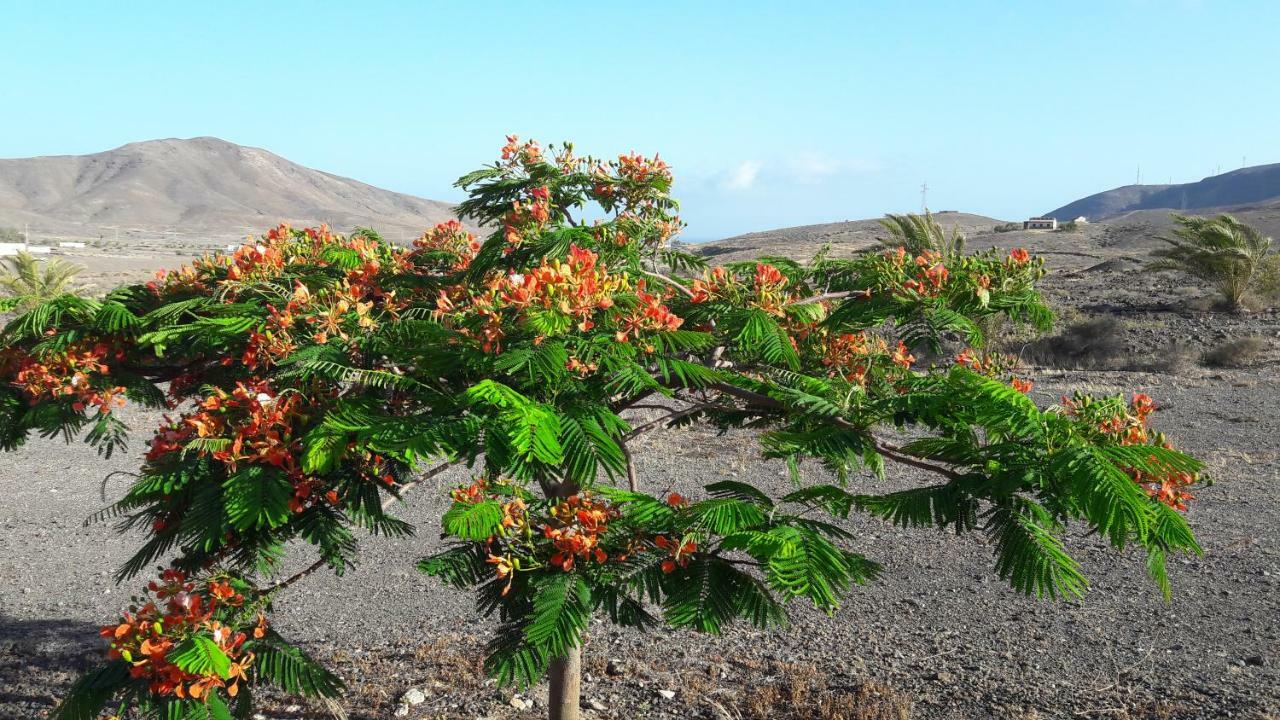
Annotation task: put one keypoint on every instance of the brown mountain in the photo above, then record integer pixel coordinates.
(1246, 188)
(804, 241)
(204, 185)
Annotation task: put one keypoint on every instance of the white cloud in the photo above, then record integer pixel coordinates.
(743, 176)
(810, 168)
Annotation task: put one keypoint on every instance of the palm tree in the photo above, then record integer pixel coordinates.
(918, 234)
(1221, 251)
(30, 282)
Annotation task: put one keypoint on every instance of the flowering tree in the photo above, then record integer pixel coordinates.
(317, 377)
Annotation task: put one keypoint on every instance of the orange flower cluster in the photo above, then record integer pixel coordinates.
(930, 275)
(680, 552)
(650, 316)
(711, 285)
(1130, 426)
(1019, 256)
(266, 259)
(259, 423)
(993, 365)
(852, 355)
(449, 237)
(516, 153)
(639, 169)
(182, 609)
(767, 289)
(578, 286)
(577, 522)
(526, 216)
(65, 374)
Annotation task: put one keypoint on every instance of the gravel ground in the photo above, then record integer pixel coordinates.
(938, 637)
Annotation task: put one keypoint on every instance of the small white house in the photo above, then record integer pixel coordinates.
(12, 248)
(78, 245)
(1082, 220)
(39, 249)
(1040, 223)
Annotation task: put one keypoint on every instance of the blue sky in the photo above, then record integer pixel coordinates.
(773, 114)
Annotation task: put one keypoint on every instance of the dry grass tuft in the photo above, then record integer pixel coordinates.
(800, 691)
(1089, 344)
(1236, 353)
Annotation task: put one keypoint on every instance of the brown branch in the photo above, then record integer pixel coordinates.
(890, 451)
(385, 504)
(832, 296)
(669, 417)
(633, 482)
(897, 455)
(669, 281)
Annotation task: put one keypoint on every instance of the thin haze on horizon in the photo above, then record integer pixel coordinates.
(772, 114)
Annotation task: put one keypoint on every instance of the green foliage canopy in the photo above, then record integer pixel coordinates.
(318, 377)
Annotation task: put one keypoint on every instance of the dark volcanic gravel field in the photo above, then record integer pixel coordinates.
(939, 637)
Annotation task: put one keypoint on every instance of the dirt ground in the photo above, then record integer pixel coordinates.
(938, 637)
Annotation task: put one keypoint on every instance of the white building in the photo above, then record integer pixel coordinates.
(1040, 223)
(39, 249)
(12, 248)
(71, 245)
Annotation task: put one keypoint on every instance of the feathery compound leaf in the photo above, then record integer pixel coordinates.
(723, 516)
(256, 497)
(740, 491)
(703, 596)
(561, 608)
(91, 692)
(939, 505)
(292, 670)
(1029, 555)
(477, 521)
(201, 655)
(460, 566)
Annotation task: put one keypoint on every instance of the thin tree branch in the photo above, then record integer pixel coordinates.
(897, 455)
(633, 482)
(833, 296)
(669, 281)
(385, 504)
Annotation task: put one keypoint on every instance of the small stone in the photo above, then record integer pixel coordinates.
(944, 677)
(596, 705)
(1255, 660)
(413, 696)
(519, 703)
(402, 710)
(615, 667)
(667, 694)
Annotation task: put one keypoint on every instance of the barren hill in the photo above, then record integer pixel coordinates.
(200, 184)
(804, 241)
(1246, 187)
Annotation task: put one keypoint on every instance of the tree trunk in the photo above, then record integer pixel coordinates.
(566, 680)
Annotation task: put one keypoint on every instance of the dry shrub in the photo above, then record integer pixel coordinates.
(1266, 280)
(1174, 358)
(1090, 344)
(1237, 353)
(800, 691)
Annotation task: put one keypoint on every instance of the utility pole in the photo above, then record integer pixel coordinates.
(924, 198)
(1138, 180)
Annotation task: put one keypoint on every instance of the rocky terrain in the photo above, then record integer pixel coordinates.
(939, 637)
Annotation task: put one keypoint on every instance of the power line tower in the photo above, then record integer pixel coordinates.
(924, 198)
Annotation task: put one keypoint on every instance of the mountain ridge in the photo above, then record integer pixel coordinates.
(1236, 188)
(202, 183)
